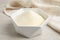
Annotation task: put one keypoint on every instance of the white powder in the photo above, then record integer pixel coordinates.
(29, 19)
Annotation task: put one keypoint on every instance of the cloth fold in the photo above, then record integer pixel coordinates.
(55, 23)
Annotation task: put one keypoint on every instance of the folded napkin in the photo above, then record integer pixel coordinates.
(55, 23)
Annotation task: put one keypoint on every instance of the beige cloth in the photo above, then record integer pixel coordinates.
(52, 9)
(55, 23)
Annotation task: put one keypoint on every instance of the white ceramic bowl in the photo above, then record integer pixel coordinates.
(29, 31)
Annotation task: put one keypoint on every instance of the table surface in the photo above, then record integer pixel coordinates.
(7, 31)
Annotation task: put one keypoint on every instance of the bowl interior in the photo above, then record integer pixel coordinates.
(20, 11)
